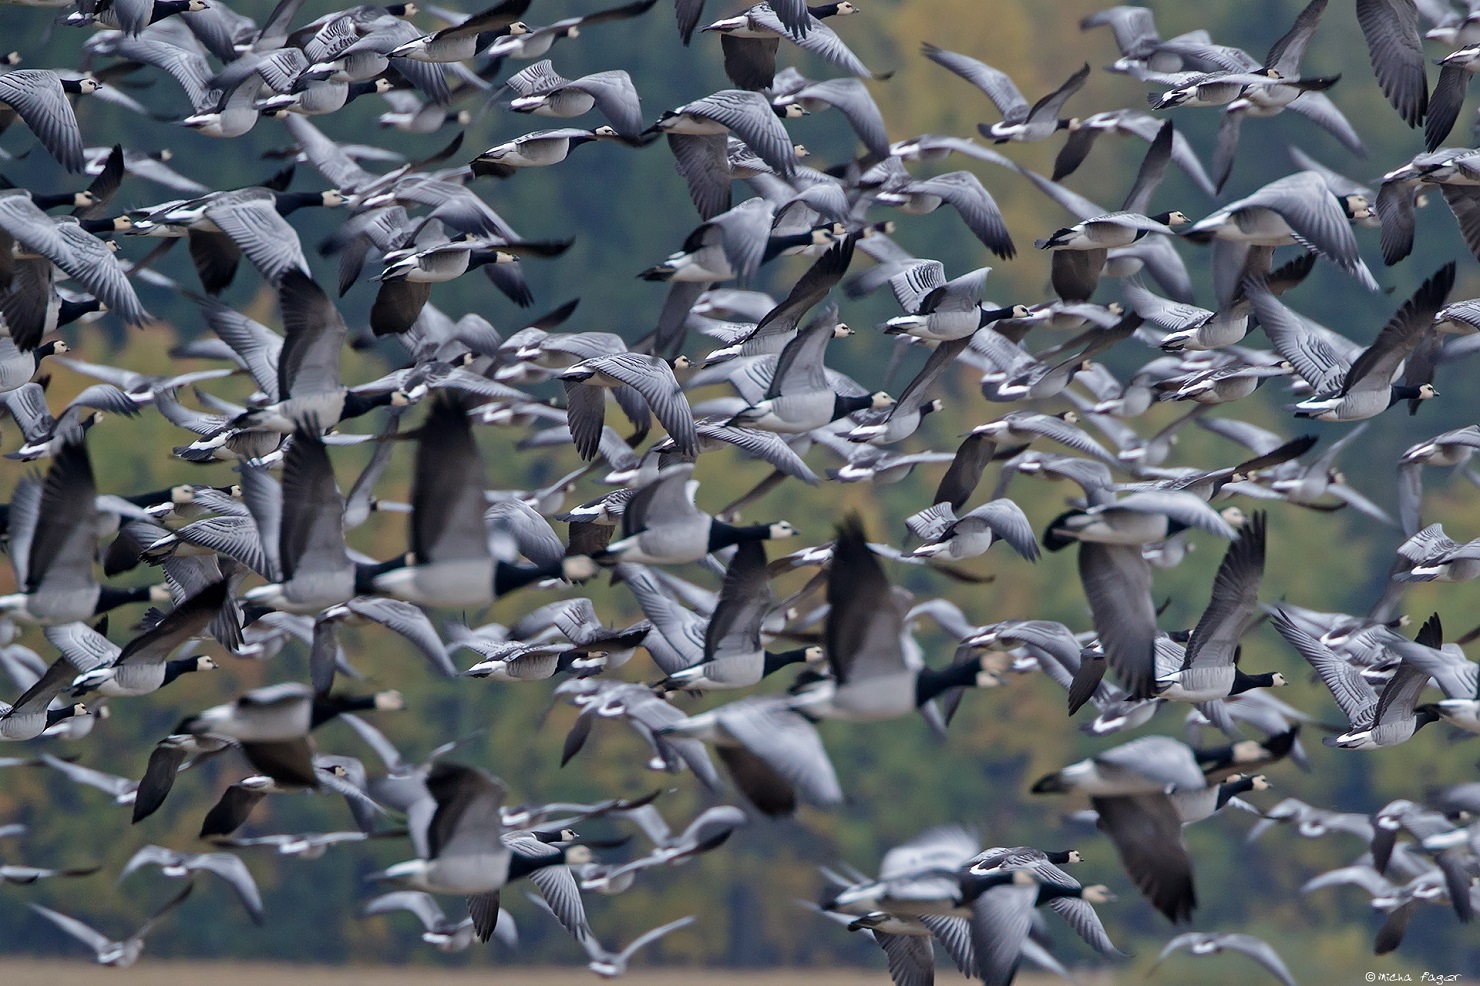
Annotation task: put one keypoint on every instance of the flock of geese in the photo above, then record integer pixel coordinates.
(255, 555)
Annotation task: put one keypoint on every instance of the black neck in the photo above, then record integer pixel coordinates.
(1243, 682)
(930, 682)
(1059, 857)
(111, 597)
(54, 716)
(823, 10)
(41, 352)
(776, 244)
(722, 535)
(68, 199)
(72, 85)
(507, 577)
(1233, 788)
(70, 311)
(356, 404)
(168, 8)
(365, 574)
(290, 202)
(776, 661)
(522, 865)
(1403, 392)
(847, 405)
(1053, 891)
(173, 669)
(989, 315)
(326, 707)
(358, 89)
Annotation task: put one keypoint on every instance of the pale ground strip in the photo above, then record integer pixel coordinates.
(47, 972)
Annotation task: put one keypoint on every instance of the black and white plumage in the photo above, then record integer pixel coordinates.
(650, 377)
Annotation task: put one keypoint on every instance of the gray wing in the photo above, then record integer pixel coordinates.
(865, 619)
(616, 99)
(749, 116)
(966, 194)
(231, 869)
(1117, 583)
(911, 958)
(1000, 920)
(1379, 362)
(562, 892)
(250, 217)
(1148, 838)
(1082, 917)
(1395, 47)
(1351, 691)
(1314, 359)
(82, 645)
(995, 83)
(1235, 597)
(314, 336)
(852, 99)
(37, 97)
(1304, 201)
(1005, 519)
(788, 744)
(702, 162)
(799, 368)
(411, 623)
(65, 539)
(92, 939)
(654, 380)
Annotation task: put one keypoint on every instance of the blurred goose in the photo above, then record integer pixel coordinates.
(182, 864)
(450, 562)
(437, 929)
(662, 526)
(1019, 120)
(465, 852)
(53, 543)
(119, 954)
(1208, 943)
(310, 565)
(864, 639)
(772, 753)
(32, 713)
(1209, 670)
(732, 655)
